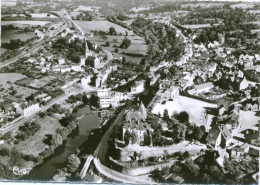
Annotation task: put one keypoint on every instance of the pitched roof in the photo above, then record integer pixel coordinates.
(205, 85)
(213, 135)
(90, 58)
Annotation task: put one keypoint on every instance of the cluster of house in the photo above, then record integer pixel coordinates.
(235, 132)
(24, 108)
(48, 62)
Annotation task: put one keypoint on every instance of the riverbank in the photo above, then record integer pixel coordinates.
(58, 159)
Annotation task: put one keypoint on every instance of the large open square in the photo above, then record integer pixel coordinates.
(194, 107)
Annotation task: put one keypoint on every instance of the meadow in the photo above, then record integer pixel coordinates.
(7, 35)
(12, 77)
(87, 26)
(195, 26)
(242, 5)
(87, 8)
(41, 23)
(138, 46)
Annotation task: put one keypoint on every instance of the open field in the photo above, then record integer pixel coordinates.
(2, 50)
(22, 91)
(34, 144)
(242, 5)
(128, 22)
(12, 77)
(87, 26)
(60, 13)
(137, 46)
(38, 83)
(139, 9)
(7, 35)
(195, 26)
(42, 15)
(254, 22)
(181, 103)
(249, 119)
(87, 8)
(35, 23)
(205, 5)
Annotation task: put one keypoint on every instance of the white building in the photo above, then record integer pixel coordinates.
(27, 109)
(138, 87)
(85, 81)
(76, 67)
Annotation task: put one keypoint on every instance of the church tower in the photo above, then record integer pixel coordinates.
(143, 110)
(87, 51)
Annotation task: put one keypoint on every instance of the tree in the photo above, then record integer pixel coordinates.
(112, 31)
(127, 137)
(197, 133)
(116, 50)
(165, 115)
(126, 43)
(73, 163)
(134, 137)
(183, 117)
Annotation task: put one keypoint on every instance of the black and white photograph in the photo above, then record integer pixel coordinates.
(130, 91)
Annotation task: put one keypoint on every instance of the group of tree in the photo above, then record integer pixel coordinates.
(27, 130)
(13, 44)
(205, 170)
(161, 39)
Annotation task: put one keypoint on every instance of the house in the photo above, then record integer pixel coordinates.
(203, 87)
(61, 61)
(219, 137)
(138, 87)
(92, 62)
(82, 60)
(27, 108)
(252, 137)
(237, 152)
(47, 56)
(240, 84)
(77, 68)
(43, 97)
(251, 104)
(253, 152)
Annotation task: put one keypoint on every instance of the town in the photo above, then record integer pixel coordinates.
(130, 92)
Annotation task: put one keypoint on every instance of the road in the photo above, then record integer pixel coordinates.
(51, 103)
(69, 18)
(33, 47)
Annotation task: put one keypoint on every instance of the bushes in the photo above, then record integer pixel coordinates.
(5, 152)
(133, 54)
(27, 130)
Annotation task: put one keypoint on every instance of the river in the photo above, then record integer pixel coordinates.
(48, 168)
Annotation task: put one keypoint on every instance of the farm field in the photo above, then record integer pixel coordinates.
(41, 23)
(41, 82)
(7, 35)
(41, 15)
(12, 77)
(195, 26)
(21, 91)
(137, 46)
(181, 103)
(254, 22)
(139, 9)
(242, 5)
(202, 5)
(87, 8)
(87, 26)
